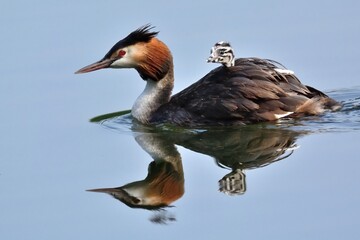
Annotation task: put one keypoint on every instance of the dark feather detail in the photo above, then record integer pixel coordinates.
(142, 34)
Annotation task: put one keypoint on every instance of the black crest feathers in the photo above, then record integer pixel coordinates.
(142, 34)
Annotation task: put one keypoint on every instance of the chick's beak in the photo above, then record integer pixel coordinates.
(212, 57)
(104, 63)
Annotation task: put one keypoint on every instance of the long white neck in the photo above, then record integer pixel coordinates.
(155, 94)
(160, 149)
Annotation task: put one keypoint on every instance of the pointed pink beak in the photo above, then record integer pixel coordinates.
(104, 63)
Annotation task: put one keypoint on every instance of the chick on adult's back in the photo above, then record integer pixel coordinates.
(245, 90)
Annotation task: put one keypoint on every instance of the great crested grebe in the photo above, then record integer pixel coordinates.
(245, 90)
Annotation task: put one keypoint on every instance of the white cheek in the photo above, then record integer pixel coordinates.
(124, 62)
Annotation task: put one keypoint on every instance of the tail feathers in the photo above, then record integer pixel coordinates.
(313, 106)
(327, 102)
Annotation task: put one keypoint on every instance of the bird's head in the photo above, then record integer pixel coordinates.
(140, 50)
(222, 53)
(162, 186)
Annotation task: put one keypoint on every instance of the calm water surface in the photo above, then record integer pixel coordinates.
(288, 180)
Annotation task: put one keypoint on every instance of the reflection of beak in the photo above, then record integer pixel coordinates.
(104, 63)
(103, 190)
(118, 193)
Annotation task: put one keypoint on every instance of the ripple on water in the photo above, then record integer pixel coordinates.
(346, 119)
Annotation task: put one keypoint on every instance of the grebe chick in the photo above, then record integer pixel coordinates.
(252, 90)
(222, 53)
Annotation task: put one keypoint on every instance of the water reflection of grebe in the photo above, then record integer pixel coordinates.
(238, 149)
(163, 185)
(165, 180)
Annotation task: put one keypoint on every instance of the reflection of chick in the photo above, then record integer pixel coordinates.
(162, 186)
(233, 183)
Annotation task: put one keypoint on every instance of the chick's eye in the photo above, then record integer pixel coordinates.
(121, 53)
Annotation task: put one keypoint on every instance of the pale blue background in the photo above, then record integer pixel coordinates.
(49, 153)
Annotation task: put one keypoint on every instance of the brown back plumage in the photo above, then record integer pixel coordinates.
(251, 91)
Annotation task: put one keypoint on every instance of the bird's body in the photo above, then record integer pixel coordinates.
(247, 90)
(253, 90)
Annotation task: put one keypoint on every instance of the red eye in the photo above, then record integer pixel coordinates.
(121, 53)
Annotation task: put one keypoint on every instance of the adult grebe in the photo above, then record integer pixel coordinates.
(247, 90)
